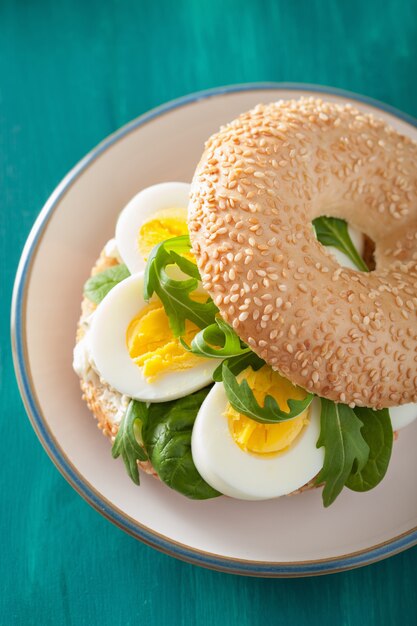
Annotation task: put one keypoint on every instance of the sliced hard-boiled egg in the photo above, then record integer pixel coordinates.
(403, 415)
(135, 352)
(153, 215)
(266, 439)
(244, 459)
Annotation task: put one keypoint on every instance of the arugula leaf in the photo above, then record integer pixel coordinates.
(346, 450)
(167, 438)
(242, 400)
(332, 231)
(377, 432)
(217, 334)
(237, 364)
(175, 294)
(100, 284)
(126, 442)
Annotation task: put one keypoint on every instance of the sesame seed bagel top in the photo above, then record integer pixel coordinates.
(346, 335)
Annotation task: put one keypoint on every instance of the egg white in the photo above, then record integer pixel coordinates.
(140, 208)
(358, 240)
(111, 357)
(403, 415)
(235, 473)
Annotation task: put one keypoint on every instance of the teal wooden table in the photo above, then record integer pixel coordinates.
(72, 72)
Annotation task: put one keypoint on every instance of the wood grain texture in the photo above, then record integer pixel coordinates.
(70, 73)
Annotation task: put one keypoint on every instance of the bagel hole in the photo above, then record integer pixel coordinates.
(363, 244)
(368, 254)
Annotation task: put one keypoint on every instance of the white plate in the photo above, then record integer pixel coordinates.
(292, 536)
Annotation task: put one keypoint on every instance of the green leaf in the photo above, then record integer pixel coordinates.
(167, 438)
(242, 400)
(346, 450)
(100, 284)
(377, 432)
(332, 231)
(217, 334)
(237, 364)
(175, 294)
(126, 443)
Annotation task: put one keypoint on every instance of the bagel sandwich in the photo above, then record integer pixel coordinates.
(254, 334)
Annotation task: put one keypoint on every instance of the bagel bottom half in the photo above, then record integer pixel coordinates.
(100, 398)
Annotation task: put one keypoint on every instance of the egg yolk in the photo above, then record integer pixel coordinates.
(267, 439)
(164, 224)
(153, 347)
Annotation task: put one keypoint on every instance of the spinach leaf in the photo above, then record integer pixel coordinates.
(175, 294)
(346, 450)
(237, 364)
(167, 439)
(217, 334)
(377, 432)
(242, 400)
(332, 231)
(126, 443)
(100, 284)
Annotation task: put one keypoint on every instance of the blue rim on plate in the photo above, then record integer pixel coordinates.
(86, 490)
